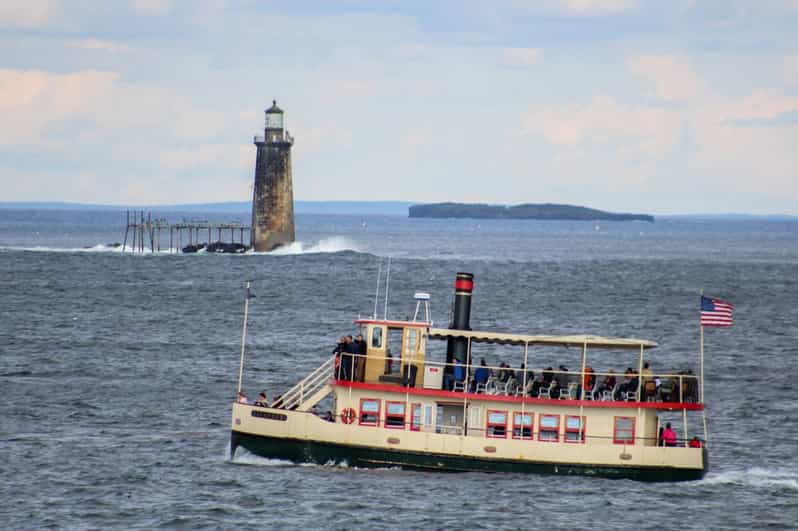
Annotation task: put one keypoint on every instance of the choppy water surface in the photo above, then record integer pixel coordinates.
(118, 370)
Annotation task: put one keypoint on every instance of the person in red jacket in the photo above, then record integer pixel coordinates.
(695, 442)
(668, 435)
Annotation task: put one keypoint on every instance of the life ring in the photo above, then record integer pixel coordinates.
(348, 415)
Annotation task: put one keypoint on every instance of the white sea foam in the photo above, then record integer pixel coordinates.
(334, 244)
(99, 248)
(757, 477)
(244, 457)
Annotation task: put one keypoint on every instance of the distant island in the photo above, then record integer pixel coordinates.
(526, 211)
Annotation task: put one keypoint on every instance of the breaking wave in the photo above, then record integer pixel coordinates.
(757, 477)
(334, 244)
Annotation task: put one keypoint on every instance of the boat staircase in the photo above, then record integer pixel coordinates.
(311, 390)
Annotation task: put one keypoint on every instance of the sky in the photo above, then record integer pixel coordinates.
(624, 105)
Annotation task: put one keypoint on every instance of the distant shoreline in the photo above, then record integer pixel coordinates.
(542, 211)
(389, 208)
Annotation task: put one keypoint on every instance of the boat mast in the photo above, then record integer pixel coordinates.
(377, 294)
(387, 285)
(701, 374)
(244, 335)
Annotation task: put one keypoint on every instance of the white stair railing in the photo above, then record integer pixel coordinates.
(296, 396)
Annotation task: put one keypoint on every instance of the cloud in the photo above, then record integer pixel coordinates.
(27, 13)
(673, 76)
(650, 130)
(152, 7)
(98, 44)
(522, 57)
(579, 7)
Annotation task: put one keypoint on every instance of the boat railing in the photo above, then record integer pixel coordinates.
(673, 387)
(309, 386)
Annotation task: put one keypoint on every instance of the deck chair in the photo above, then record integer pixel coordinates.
(544, 391)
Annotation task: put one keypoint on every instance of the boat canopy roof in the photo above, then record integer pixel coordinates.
(477, 336)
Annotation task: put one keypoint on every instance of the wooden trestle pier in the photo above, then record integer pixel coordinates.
(145, 232)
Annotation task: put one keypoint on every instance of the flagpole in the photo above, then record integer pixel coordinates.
(701, 388)
(243, 339)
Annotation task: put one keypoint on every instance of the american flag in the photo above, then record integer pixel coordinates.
(715, 312)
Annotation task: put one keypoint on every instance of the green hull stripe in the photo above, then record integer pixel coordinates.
(306, 451)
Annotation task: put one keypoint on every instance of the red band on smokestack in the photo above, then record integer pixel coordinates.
(463, 285)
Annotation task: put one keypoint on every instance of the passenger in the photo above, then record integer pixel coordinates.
(242, 398)
(588, 382)
(695, 442)
(530, 382)
(388, 362)
(459, 372)
(554, 390)
(278, 401)
(347, 360)
(649, 383)
(608, 383)
(504, 372)
(630, 384)
(668, 435)
(563, 377)
(481, 376)
(338, 351)
(548, 376)
(360, 348)
(536, 385)
(262, 401)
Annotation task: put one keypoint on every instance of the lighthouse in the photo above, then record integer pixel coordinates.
(273, 194)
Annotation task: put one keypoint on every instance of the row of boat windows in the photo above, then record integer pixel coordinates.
(498, 424)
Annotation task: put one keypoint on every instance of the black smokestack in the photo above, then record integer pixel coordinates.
(461, 317)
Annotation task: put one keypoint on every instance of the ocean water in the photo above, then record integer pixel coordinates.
(117, 370)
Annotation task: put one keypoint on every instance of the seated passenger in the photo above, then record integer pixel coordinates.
(459, 371)
(480, 376)
(695, 442)
(536, 386)
(504, 372)
(607, 383)
(547, 375)
(262, 401)
(564, 378)
(668, 435)
(588, 380)
(278, 401)
(242, 398)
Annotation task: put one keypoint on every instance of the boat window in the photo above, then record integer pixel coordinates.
(428, 422)
(624, 430)
(522, 425)
(549, 429)
(415, 417)
(369, 411)
(449, 419)
(395, 415)
(376, 337)
(411, 343)
(574, 429)
(497, 424)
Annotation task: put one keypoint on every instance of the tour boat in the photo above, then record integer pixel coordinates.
(419, 397)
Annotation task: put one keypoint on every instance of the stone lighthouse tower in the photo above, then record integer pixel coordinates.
(273, 197)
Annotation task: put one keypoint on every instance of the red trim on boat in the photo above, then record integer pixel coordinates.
(516, 399)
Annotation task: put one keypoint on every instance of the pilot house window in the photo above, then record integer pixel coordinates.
(369, 412)
(395, 415)
(376, 337)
